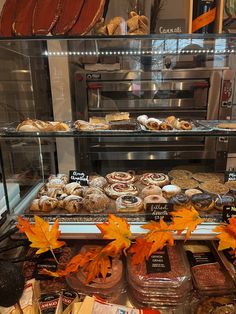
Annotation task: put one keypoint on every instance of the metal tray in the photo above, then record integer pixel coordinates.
(213, 124)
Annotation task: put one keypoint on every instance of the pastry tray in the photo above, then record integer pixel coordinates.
(197, 127)
(213, 124)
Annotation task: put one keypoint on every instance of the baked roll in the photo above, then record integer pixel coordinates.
(118, 189)
(34, 205)
(61, 200)
(42, 191)
(92, 190)
(159, 179)
(154, 199)
(96, 203)
(151, 190)
(55, 183)
(97, 182)
(171, 120)
(142, 119)
(73, 203)
(179, 201)
(170, 190)
(153, 124)
(54, 192)
(124, 177)
(164, 126)
(60, 176)
(226, 200)
(202, 201)
(47, 204)
(73, 189)
(129, 203)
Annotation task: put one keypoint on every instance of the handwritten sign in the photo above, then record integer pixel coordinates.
(78, 177)
(156, 211)
(228, 212)
(171, 26)
(230, 176)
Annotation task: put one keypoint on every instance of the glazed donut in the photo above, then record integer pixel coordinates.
(73, 203)
(170, 190)
(179, 201)
(123, 177)
(97, 182)
(96, 203)
(153, 199)
(151, 190)
(73, 188)
(118, 189)
(226, 200)
(202, 201)
(129, 203)
(159, 179)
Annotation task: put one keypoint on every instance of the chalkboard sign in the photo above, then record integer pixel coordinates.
(228, 212)
(78, 177)
(171, 26)
(230, 176)
(156, 211)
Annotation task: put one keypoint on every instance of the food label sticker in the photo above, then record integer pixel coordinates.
(200, 258)
(230, 176)
(78, 177)
(228, 212)
(156, 211)
(158, 262)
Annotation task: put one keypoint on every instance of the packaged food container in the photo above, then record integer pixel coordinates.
(228, 259)
(109, 288)
(208, 273)
(214, 304)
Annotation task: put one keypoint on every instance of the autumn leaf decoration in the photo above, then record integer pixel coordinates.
(227, 235)
(41, 236)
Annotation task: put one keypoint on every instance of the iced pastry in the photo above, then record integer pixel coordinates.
(202, 201)
(129, 203)
(97, 182)
(118, 189)
(73, 203)
(74, 188)
(170, 190)
(124, 177)
(159, 179)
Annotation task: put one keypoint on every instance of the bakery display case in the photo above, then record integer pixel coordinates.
(100, 125)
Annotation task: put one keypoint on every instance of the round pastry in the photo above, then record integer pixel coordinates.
(170, 190)
(159, 179)
(154, 199)
(179, 201)
(142, 119)
(124, 177)
(204, 176)
(73, 189)
(96, 203)
(185, 184)
(97, 182)
(226, 200)
(151, 190)
(231, 185)
(55, 183)
(185, 125)
(180, 174)
(164, 126)
(61, 200)
(153, 124)
(47, 204)
(54, 192)
(214, 187)
(92, 190)
(73, 203)
(202, 201)
(191, 192)
(129, 203)
(118, 189)
(216, 305)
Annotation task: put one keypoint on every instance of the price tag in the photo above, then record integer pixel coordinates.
(230, 176)
(78, 177)
(228, 212)
(156, 211)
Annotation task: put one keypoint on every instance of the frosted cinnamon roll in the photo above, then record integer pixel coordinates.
(96, 203)
(124, 177)
(47, 204)
(118, 189)
(129, 203)
(153, 124)
(73, 203)
(159, 179)
(73, 189)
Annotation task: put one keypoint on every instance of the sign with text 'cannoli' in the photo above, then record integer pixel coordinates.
(78, 177)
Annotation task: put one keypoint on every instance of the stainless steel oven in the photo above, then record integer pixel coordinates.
(190, 93)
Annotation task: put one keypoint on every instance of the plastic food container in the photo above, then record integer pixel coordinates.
(109, 289)
(209, 275)
(214, 304)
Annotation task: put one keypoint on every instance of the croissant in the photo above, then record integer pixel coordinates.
(54, 192)
(73, 189)
(73, 203)
(47, 204)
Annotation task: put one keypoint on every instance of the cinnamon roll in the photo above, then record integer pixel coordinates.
(73, 203)
(124, 177)
(73, 189)
(47, 204)
(97, 182)
(159, 179)
(118, 189)
(129, 203)
(54, 192)
(96, 203)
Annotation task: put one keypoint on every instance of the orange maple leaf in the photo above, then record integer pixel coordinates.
(140, 251)
(118, 230)
(187, 218)
(41, 236)
(159, 235)
(227, 235)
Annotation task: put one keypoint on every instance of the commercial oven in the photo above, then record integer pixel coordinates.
(197, 94)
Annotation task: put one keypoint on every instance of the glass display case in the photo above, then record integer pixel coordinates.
(99, 125)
